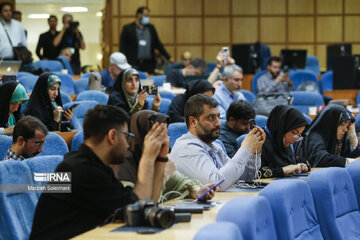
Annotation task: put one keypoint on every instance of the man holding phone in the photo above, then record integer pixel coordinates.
(197, 156)
(238, 122)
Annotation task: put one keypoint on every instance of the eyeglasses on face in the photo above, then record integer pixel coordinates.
(297, 135)
(36, 144)
(129, 135)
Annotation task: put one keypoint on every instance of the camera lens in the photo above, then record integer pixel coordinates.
(159, 217)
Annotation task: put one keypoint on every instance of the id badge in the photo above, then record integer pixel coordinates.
(142, 43)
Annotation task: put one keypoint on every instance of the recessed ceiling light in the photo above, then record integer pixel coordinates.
(99, 14)
(74, 9)
(39, 16)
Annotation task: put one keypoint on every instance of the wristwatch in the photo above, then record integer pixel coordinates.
(161, 159)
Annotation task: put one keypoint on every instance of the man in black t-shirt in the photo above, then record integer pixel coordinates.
(95, 192)
(49, 51)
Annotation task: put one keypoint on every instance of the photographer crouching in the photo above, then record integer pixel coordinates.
(71, 37)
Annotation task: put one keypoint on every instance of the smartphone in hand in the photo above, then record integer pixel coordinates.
(200, 198)
(73, 106)
(252, 123)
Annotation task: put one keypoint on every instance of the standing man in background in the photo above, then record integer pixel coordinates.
(46, 41)
(138, 41)
(70, 36)
(14, 30)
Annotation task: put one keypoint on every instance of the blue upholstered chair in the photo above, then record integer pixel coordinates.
(43, 164)
(176, 130)
(301, 75)
(335, 203)
(66, 63)
(327, 81)
(77, 140)
(173, 66)
(293, 209)
(65, 98)
(158, 79)
(80, 111)
(354, 171)
(142, 75)
(67, 83)
(21, 74)
(82, 84)
(98, 96)
(240, 139)
(219, 230)
(250, 97)
(218, 141)
(166, 94)
(164, 105)
(5, 143)
(304, 100)
(28, 81)
(252, 215)
(54, 145)
(312, 64)
(261, 120)
(255, 79)
(51, 65)
(17, 209)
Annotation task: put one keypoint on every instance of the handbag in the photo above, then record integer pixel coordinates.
(265, 102)
(21, 52)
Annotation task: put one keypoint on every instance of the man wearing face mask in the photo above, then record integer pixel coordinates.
(138, 41)
(118, 62)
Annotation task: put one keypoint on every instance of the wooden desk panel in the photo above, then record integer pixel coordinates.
(67, 136)
(350, 94)
(246, 82)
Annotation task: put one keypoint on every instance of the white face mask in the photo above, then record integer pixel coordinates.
(145, 20)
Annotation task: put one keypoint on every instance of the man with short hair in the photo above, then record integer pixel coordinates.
(138, 41)
(237, 123)
(229, 90)
(176, 77)
(14, 30)
(197, 156)
(95, 192)
(118, 62)
(49, 51)
(28, 139)
(273, 80)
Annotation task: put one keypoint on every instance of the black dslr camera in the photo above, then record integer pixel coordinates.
(145, 213)
(73, 24)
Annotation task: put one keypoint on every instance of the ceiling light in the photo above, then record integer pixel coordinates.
(99, 14)
(39, 16)
(74, 9)
(99, 56)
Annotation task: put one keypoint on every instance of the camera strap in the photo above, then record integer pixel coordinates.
(118, 214)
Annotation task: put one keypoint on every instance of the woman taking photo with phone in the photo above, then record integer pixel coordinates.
(283, 128)
(127, 93)
(12, 95)
(45, 102)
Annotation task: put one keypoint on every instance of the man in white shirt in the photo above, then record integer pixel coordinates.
(197, 156)
(14, 29)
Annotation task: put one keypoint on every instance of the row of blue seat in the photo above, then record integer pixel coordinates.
(325, 206)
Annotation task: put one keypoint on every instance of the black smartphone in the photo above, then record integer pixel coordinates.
(73, 106)
(7, 78)
(151, 90)
(155, 118)
(252, 123)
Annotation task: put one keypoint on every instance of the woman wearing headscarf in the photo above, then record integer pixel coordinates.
(12, 95)
(45, 102)
(127, 93)
(126, 172)
(176, 109)
(331, 139)
(283, 128)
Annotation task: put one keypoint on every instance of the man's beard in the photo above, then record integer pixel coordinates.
(207, 136)
(274, 75)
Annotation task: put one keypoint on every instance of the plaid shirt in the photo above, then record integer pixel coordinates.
(10, 155)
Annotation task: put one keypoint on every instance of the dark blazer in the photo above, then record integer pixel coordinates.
(129, 43)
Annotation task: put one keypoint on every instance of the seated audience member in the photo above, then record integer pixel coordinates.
(28, 139)
(12, 95)
(49, 51)
(222, 60)
(176, 109)
(197, 156)
(128, 95)
(118, 62)
(140, 124)
(283, 128)
(66, 52)
(186, 58)
(176, 77)
(65, 59)
(45, 102)
(161, 63)
(331, 139)
(229, 89)
(237, 124)
(273, 80)
(95, 192)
